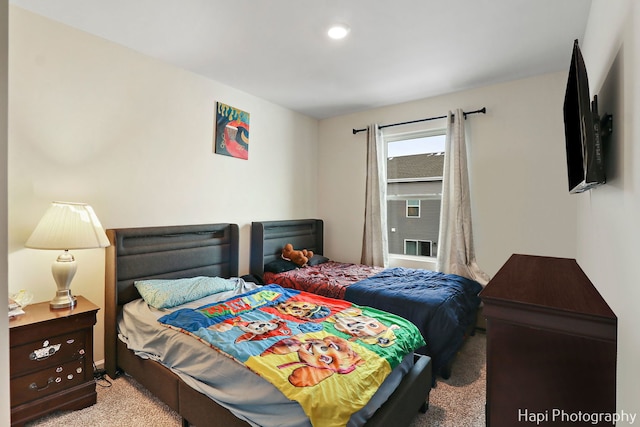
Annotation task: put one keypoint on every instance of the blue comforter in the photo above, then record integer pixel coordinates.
(442, 306)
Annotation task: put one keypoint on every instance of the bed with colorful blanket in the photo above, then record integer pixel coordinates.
(320, 352)
(442, 306)
(245, 357)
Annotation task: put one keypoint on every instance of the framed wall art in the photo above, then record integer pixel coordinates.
(231, 132)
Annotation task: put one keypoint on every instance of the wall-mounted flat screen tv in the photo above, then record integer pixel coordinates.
(585, 168)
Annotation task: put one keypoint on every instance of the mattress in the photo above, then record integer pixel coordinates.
(230, 384)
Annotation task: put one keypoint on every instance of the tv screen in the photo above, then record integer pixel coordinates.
(585, 167)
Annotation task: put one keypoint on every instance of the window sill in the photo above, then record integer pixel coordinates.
(412, 261)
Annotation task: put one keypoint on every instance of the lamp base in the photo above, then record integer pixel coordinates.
(63, 299)
(63, 269)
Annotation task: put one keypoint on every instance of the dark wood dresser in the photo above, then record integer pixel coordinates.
(51, 360)
(551, 345)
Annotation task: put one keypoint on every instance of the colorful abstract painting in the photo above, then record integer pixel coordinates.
(232, 132)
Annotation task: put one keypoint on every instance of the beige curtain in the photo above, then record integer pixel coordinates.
(456, 254)
(375, 238)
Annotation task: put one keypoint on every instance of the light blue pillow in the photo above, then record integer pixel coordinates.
(167, 293)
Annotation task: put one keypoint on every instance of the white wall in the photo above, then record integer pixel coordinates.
(609, 230)
(93, 122)
(520, 200)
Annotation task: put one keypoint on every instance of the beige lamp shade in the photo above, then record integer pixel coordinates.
(67, 226)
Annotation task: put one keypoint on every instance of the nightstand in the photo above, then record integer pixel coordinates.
(51, 360)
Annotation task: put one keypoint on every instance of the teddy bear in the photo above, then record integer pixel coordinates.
(298, 257)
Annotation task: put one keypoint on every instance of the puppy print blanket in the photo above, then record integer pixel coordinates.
(329, 355)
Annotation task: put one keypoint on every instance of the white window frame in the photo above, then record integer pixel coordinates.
(408, 205)
(418, 242)
(402, 259)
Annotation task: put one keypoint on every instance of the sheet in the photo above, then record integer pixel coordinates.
(233, 386)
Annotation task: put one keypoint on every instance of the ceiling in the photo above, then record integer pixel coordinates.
(397, 50)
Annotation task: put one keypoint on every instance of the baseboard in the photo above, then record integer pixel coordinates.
(98, 369)
(99, 364)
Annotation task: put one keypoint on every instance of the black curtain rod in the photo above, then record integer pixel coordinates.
(483, 110)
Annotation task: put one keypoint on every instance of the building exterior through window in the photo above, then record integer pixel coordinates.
(414, 193)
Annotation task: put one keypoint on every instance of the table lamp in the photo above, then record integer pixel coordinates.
(67, 226)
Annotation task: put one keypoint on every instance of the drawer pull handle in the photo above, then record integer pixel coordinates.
(34, 386)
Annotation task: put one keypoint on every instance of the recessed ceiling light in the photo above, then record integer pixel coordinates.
(339, 31)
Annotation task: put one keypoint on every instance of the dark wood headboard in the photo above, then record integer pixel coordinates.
(168, 252)
(269, 237)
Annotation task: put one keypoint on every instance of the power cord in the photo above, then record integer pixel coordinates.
(101, 377)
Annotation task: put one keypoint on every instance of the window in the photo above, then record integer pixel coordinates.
(414, 191)
(413, 208)
(418, 247)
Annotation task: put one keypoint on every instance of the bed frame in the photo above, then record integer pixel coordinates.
(204, 250)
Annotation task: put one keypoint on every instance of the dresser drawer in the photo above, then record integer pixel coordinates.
(47, 381)
(56, 350)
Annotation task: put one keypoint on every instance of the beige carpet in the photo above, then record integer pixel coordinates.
(458, 401)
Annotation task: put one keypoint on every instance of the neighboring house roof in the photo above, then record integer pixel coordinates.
(415, 167)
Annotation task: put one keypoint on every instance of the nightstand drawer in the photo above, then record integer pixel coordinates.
(46, 382)
(50, 351)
